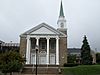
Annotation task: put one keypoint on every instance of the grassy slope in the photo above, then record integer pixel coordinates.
(82, 70)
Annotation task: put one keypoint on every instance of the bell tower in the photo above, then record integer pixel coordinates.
(61, 20)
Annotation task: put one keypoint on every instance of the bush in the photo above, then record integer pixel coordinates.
(70, 64)
(72, 58)
(11, 62)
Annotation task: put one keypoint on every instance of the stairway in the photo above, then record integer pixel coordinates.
(41, 69)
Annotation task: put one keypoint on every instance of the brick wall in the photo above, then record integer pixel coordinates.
(23, 43)
(63, 50)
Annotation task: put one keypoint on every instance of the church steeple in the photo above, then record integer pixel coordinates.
(61, 10)
(61, 20)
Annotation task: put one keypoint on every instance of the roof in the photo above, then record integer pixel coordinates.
(77, 50)
(74, 50)
(46, 26)
(10, 44)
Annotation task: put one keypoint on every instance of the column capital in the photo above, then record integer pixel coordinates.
(37, 41)
(28, 37)
(47, 38)
(37, 37)
(57, 37)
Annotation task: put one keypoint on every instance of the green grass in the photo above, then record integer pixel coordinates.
(82, 70)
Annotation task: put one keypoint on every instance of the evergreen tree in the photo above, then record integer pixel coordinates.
(86, 57)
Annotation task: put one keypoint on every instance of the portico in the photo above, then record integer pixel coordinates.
(48, 49)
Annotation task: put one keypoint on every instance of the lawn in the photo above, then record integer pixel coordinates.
(82, 70)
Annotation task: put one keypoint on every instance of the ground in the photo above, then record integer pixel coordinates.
(82, 70)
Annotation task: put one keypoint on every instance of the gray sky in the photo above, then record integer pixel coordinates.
(83, 18)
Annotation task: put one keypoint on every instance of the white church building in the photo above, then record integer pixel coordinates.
(51, 42)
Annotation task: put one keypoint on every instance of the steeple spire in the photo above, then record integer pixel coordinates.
(61, 10)
(61, 20)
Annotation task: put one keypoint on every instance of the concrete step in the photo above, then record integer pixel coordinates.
(40, 70)
(27, 71)
(41, 74)
(39, 65)
(30, 74)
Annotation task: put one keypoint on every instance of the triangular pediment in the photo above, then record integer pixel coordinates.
(44, 29)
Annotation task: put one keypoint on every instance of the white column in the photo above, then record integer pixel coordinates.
(57, 51)
(47, 50)
(28, 50)
(37, 43)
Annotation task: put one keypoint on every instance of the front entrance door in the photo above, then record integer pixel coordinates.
(42, 57)
(52, 58)
(33, 60)
(42, 60)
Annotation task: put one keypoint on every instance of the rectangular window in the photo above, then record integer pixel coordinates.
(43, 45)
(52, 45)
(33, 43)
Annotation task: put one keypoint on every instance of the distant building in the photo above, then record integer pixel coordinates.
(74, 51)
(77, 52)
(8, 46)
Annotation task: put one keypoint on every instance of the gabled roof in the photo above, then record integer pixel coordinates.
(40, 27)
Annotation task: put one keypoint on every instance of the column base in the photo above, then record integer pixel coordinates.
(27, 63)
(47, 63)
(57, 63)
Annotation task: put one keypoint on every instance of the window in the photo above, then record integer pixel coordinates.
(52, 45)
(33, 43)
(43, 45)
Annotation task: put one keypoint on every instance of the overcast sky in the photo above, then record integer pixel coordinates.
(83, 18)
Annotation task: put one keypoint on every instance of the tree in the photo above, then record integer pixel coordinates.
(98, 58)
(86, 57)
(11, 62)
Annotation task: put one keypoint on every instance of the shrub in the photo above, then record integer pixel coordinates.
(11, 62)
(72, 58)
